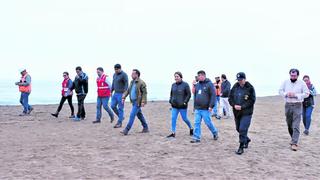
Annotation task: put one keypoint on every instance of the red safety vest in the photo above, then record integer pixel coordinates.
(24, 88)
(65, 87)
(103, 87)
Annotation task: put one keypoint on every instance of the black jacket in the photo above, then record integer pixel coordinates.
(205, 95)
(243, 96)
(180, 95)
(80, 84)
(225, 88)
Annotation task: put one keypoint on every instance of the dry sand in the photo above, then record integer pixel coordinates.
(42, 147)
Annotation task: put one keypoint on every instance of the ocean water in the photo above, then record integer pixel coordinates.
(49, 92)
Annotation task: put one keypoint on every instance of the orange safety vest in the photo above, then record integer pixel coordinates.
(103, 87)
(26, 89)
(218, 90)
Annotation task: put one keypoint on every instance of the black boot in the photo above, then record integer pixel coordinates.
(55, 114)
(191, 132)
(172, 135)
(240, 150)
(246, 145)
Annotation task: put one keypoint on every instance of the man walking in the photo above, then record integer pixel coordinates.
(25, 89)
(204, 100)
(225, 91)
(138, 97)
(119, 86)
(80, 84)
(104, 93)
(242, 98)
(294, 91)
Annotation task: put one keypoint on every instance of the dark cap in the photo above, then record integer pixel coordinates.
(241, 76)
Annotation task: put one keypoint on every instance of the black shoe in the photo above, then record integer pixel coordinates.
(96, 121)
(30, 110)
(117, 125)
(246, 145)
(195, 141)
(171, 135)
(54, 114)
(215, 137)
(306, 132)
(112, 119)
(240, 150)
(191, 132)
(145, 130)
(124, 132)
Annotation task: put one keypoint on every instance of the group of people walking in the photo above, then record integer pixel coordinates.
(207, 95)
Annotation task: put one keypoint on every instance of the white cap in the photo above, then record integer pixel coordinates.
(22, 69)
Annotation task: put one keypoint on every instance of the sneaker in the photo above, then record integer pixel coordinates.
(172, 135)
(54, 114)
(118, 125)
(72, 116)
(76, 119)
(218, 117)
(294, 147)
(195, 141)
(112, 119)
(306, 132)
(30, 110)
(240, 151)
(145, 130)
(124, 132)
(191, 132)
(215, 137)
(96, 121)
(246, 145)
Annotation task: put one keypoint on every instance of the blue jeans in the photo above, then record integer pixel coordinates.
(103, 101)
(216, 105)
(307, 112)
(242, 126)
(205, 115)
(117, 106)
(136, 111)
(24, 100)
(174, 116)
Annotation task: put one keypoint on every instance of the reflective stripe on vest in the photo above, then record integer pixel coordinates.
(103, 87)
(24, 88)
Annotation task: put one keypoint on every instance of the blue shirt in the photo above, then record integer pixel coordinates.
(133, 92)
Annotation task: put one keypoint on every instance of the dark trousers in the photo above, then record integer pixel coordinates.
(81, 111)
(63, 99)
(242, 126)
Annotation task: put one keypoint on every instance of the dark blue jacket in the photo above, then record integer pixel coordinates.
(80, 84)
(225, 89)
(244, 96)
(180, 95)
(205, 95)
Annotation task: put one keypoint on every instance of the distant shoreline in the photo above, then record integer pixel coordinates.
(150, 101)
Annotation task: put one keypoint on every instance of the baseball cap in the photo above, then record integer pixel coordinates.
(241, 76)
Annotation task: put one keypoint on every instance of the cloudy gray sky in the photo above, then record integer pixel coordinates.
(262, 38)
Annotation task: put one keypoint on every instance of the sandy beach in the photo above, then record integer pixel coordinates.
(43, 147)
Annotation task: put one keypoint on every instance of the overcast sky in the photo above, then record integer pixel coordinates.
(262, 38)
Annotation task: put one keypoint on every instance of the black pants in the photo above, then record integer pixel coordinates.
(63, 99)
(242, 126)
(81, 111)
